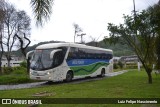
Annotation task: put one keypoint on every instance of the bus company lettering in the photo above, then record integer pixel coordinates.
(77, 62)
(34, 102)
(15, 101)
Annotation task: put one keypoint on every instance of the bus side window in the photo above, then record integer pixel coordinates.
(82, 54)
(72, 53)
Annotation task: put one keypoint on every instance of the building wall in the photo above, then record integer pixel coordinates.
(12, 63)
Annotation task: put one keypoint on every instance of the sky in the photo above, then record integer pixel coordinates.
(91, 15)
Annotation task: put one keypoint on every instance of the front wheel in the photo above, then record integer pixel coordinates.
(69, 76)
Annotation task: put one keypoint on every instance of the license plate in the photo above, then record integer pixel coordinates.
(38, 78)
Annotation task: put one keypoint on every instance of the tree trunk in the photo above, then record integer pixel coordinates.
(8, 61)
(28, 65)
(149, 76)
(148, 71)
(0, 67)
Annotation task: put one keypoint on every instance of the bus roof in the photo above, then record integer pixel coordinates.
(56, 45)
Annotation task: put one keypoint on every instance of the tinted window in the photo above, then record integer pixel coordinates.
(81, 53)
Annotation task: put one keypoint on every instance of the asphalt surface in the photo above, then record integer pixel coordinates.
(39, 84)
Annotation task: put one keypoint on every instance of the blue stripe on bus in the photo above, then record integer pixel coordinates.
(84, 62)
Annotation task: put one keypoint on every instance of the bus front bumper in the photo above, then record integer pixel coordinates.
(47, 76)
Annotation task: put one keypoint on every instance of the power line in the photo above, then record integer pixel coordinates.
(151, 3)
(147, 3)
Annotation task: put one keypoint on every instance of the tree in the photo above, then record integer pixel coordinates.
(155, 12)
(42, 10)
(157, 43)
(120, 64)
(138, 33)
(23, 29)
(23, 46)
(2, 14)
(15, 21)
(94, 41)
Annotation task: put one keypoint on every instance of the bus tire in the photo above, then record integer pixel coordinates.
(102, 73)
(49, 82)
(69, 76)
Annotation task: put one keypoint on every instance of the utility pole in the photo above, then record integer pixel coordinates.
(74, 35)
(134, 7)
(81, 35)
(77, 29)
(134, 13)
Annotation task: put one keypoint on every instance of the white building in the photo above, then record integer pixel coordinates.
(15, 61)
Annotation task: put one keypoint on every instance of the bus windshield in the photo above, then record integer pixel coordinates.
(41, 59)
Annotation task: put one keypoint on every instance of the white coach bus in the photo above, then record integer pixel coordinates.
(67, 61)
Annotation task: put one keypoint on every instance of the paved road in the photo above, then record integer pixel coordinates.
(116, 73)
(39, 84)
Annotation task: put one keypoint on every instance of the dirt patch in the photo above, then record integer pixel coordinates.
(43, 94)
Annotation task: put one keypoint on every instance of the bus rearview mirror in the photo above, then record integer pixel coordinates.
(27, 55)
(53, 52)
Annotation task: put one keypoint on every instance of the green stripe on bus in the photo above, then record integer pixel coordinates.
(86, 70)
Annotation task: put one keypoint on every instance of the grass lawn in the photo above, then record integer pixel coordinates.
(132, 84)
(17, 76)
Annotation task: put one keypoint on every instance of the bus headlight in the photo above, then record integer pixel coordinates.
(49, 78)
(48, 73)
